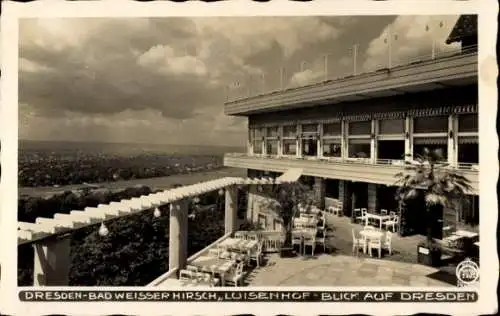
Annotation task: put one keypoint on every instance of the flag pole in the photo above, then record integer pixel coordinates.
(355, 57)
(326, 67)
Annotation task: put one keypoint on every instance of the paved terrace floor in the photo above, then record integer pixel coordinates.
(338, 267)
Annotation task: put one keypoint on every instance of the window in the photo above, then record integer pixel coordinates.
(309, 128)
(290, 131)
(391, 149)
(332, 129)
(272, 147)
(436, 124)
(289, 147)
(468, 150)
(332, 148)
(391, 127)
(360, 128)
(272, 141)
(262, 221)
(309, 147)
(359, 148)
(272, 132)
(257, 140)
(432, 143)
(468, 123)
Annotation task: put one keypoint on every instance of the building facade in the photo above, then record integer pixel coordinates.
(350, 136)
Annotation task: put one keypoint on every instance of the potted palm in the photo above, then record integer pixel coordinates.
(283, 201)
(441, 187)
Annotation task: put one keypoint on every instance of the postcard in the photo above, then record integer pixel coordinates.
(184, 158)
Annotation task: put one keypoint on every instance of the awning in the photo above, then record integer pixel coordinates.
(291, 175)
(430, 141)
(468, 140)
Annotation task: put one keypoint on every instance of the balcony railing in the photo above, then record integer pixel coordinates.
(254, 88)
(381, 171)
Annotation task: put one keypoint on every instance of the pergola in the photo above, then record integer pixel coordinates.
(50, 236)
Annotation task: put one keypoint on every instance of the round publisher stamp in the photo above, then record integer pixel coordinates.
(467, 272)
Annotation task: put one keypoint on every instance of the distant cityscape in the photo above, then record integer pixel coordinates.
(69, 163)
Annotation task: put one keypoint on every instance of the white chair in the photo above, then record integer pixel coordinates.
(392, 213)
(383, 212)
(252, 237)
(192, 268)
(322, 241)
(311, 242)
(392, 223)
(375, 243)
(213, 252)
(368, 227)
(297, 240)
(363, 217)
(256, 255)
(186, 275)
(357, 243)
(388, 242)
(236, 276)
(240, 235)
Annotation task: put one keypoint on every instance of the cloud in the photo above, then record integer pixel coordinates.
(413, 38)
(162, 80)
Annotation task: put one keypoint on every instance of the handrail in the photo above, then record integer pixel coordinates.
(439, 56)
(347, 160)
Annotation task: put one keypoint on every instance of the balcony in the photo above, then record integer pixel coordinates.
(451, 70)
(362, 170)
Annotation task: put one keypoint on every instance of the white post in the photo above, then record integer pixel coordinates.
(374, 142)
(250, 141)
(231, 209)
(298, 152)
(320, 141)
(52, 259)
(281, 78)
(408, 139)
(355, 57)
(344, 140)
(326, 67)
(280, 140)
(177, 244)
(452, 140)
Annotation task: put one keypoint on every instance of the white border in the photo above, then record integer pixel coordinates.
(488, 70)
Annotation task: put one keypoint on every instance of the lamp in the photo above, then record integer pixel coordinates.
(221, 192)
(157, 212)
(103, 230)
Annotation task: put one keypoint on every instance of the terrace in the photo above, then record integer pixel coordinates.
(338, 265)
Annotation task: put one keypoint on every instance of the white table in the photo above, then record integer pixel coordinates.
(466, 234)
(371, 234)
(308, 222)
(379, 217)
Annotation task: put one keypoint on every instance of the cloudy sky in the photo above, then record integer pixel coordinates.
(164, 80)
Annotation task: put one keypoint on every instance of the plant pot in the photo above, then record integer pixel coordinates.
(286, 252)
(429, 256)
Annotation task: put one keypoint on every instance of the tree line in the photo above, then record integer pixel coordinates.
(136, 250)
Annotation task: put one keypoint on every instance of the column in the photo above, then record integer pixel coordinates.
(298, 154)
(319, 144)
(372, 197)
(452, 140)
(408, 138)
(250, 142)
(280, 140)
(344, 141)
(320, 192)
(374, 142)
(177, 244)
(252, 188)
(231, 209)
(52, 259)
